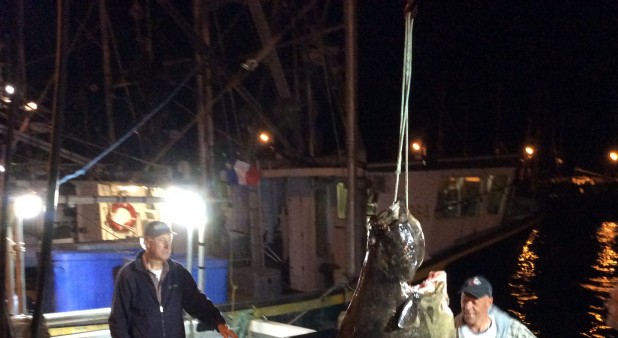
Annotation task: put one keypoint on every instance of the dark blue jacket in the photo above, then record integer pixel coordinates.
(136, 312)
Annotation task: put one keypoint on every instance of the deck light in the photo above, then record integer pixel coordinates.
(187, 208)
(25, 206)
(28, 206)
(613, 156)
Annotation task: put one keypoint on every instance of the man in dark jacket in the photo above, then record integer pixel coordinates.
(152, 291)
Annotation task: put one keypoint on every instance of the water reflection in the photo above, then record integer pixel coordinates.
(601, 283)
(523, 275)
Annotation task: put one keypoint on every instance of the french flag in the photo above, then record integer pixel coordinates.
(246, 173)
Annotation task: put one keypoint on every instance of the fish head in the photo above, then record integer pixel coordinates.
(397, 242)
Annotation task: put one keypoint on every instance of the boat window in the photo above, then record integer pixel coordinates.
(471, 195)
(496, 189)
(448, 199)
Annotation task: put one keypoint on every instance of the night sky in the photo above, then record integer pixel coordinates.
(491, 75)
(488, 76)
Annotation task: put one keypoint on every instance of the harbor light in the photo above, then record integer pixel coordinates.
(529, 152)
(264, 137)
(30, 106)
(5, 96)
(418, 149)
(613, 156)
(9, 89)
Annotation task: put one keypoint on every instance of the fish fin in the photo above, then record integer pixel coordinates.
(408, 313)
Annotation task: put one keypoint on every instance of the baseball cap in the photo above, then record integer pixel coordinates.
(157, 228)
(477, 286)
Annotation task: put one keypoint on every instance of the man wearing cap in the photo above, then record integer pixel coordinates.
(479, 318)
(152, 291)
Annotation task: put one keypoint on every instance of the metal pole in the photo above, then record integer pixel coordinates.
(20, 268)
(201, 253)
(190, 263)
(11, 295)
(205, 126)
(190, 249)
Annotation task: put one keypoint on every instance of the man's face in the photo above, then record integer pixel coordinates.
(612, 308)
(160, 247)
(475, 310)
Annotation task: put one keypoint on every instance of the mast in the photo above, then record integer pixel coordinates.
(107, 72)
(60, 75)
(205, 128)
(350, 110)
(18, 63)
(272, 59)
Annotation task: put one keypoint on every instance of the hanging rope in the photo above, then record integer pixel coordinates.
(404, 131)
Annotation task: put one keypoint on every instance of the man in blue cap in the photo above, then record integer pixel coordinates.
(152, 291)
(480, 318)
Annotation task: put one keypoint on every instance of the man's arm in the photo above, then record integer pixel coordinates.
(519, 330)
(199, 306)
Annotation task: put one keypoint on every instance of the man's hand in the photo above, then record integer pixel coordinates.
(225, 331)
(430, 284)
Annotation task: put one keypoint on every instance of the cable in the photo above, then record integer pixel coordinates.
(404, 131)
(134, 130)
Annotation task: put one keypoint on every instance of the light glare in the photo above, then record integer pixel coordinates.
(184, 207)
(28, 206)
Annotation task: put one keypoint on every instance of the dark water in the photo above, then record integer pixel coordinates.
(554, 277)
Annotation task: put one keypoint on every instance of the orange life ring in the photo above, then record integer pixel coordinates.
(122, 227)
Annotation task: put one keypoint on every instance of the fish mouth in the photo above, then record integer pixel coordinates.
(399, 212)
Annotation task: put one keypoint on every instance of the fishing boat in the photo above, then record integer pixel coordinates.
(286, 234)
(298, 269)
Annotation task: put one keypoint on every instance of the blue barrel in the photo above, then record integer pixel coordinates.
(84, 279)
(216, 276)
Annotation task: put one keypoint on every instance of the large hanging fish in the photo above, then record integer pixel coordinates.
(384, 305)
